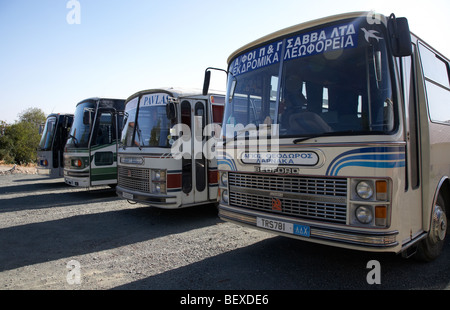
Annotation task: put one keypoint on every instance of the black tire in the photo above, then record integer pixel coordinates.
(431, 247)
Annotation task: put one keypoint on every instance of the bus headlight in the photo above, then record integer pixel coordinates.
(159, 175)
(78, 163)
(364, 190)
(225, 196)
(224, 179)
(158, 188)
(158, 181)
(364, 214)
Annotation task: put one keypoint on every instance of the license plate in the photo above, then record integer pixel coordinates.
(127, 195)
(289, 228)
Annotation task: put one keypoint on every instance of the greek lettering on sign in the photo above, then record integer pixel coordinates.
(302, 158)
(321, 41)
(259, 58)
(307, 44)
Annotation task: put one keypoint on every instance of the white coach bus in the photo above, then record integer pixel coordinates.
(158, 125)
(361, 110)
(90, 155)
(50, 160)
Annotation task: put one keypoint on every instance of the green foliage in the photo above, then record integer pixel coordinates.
(33, 116)
(19, 142)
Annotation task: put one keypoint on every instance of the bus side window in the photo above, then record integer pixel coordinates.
(437, 84)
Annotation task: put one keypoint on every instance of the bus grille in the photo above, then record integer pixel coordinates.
(136, 179)
(301, 197)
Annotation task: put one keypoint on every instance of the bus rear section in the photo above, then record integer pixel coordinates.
(50, 160)
(166, 157)
(90, 154)
(335, 132)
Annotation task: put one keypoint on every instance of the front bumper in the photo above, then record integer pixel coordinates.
(160, 200)
(319, 233)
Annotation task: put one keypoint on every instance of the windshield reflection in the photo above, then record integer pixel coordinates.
(146, 127)
(48, 134)
(80, 132)
(337, 84)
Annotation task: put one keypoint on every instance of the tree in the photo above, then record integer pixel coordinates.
(33, 116)
(19, 141)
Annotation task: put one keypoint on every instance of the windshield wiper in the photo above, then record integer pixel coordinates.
(296, 141)
(327, 134)
(75, 140)
(139, 133)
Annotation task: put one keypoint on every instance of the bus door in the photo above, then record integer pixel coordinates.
(60, 138)
(103, 148)
(413, 168)
(195, 168)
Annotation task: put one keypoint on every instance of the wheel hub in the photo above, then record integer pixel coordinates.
(438, 225)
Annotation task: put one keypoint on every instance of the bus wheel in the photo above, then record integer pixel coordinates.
(430, 248)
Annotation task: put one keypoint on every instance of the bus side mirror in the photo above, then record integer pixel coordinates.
(171, 111)
(400, 36)
(208, 79)
(206, 82)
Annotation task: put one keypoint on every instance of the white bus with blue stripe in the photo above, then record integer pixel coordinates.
(337, 131)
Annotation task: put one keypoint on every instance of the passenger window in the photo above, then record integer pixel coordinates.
(437, 85)
(434, 68)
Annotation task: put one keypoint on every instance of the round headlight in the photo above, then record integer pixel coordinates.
(157, 175)
(157, 188)
(364, 190)
(364, 214)
(225, 196)
(224, 179)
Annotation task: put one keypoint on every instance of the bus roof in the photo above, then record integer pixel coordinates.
(106, 102)
(296, 28)
(176, 92)
(59, 114)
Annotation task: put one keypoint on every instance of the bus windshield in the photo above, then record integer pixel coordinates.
(334, 80)
(146, 123)
(80, 132)
(48, 134)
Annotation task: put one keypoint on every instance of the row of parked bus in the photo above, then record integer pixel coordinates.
(128, 144)
(334, 131)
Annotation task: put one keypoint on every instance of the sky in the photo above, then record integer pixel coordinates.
(50, 60)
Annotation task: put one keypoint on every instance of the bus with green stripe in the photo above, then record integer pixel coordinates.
(90, 154)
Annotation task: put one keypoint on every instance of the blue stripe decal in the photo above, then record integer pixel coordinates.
(222, 160)
(371, 157)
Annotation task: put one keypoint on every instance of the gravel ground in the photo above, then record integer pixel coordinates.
(45, 224)
(57, 237)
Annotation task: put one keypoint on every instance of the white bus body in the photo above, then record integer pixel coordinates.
(50, 160)
(150, 171)
(363, 127)
(90, 155)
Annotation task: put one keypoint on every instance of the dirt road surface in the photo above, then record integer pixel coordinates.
(57, 237)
